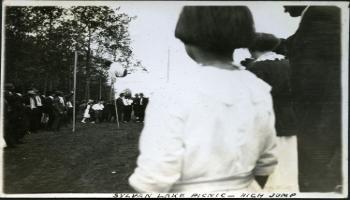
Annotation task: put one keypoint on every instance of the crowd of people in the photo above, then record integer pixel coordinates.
(32, 111)
(125, 106)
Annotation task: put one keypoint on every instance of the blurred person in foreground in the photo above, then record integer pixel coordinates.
(314, 53)
(214, 132)
(274, 69)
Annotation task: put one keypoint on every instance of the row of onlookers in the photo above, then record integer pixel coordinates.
(125, 105)
(32, 111)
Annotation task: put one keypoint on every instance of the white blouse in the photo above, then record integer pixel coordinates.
(213, 132)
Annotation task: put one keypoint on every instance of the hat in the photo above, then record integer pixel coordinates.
(264, 42)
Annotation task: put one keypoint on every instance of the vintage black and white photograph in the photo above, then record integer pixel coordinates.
(111, 98)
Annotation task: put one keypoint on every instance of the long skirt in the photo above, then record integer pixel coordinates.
(285, 176)
(86, 113)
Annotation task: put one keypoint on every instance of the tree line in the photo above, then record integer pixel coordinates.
(40, 44)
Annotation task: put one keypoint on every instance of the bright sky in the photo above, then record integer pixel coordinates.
(152, 35)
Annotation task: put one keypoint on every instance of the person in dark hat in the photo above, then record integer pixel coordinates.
(31, 110)
(314, 53)
(16, 125)
(120, 107)
(136, 107)
(127, 101)
(274, 69)
(10, 116)
(143, 105)
(58, 111)
(48, 109)
(39, 108)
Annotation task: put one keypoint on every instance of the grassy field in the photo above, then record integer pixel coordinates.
(97, 158)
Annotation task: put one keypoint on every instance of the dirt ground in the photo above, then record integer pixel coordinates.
(97, 158)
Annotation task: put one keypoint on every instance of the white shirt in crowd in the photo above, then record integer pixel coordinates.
(141, 101)
(69, 104)
(98, 106)
(214, 132)
(32, 103)
(127, 102)
(61, 100)
(38, 101)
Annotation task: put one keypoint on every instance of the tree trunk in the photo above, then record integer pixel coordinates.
(45, 83)
(100, 94)
(87, 88)
(50, 85)
(70, 77)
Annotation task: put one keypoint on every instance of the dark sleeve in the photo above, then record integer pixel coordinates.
(259, 69)
(315, 61)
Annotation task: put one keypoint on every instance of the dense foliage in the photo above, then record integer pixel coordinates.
(40, 44)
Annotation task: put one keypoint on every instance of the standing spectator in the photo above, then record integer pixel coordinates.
(127, 101)
(14, 117)
(81, 108)
(143, 105)
(87, 111)
(120, 107)
(39, 110)
(31, 111)
(105, 112)
(110, 111)
(98, 109)
(58, 112)
(314, 53)
(62, 101)
(136, 107)
(49, 109)
(9, 135)
(69, 106)
(21, 121)
(45, 115)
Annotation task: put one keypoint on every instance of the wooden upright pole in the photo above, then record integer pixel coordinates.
(74, 87)
(115, 104)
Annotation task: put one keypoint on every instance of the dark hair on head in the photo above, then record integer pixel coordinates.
(216, 28)
(264, 42)
(295, 10)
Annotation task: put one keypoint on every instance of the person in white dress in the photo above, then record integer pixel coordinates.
(87, 111)
(215, 131)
